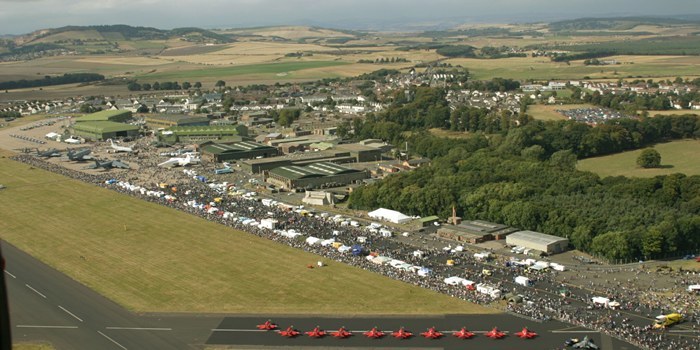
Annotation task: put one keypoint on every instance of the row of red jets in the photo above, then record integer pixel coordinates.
(402, 333)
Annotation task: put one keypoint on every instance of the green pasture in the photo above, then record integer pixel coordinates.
(676, 157)
(254, 69)
(150, 258)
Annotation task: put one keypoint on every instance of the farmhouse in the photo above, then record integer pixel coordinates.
(538, 241)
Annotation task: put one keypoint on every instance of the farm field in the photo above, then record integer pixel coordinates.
(264, 71)
(674, 112)
(150, 258)
(549, 112)
(676, 157)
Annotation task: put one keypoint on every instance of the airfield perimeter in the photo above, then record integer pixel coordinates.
(165, 264)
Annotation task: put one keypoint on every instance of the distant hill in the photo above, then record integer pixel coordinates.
(620, 23)
(118, 32)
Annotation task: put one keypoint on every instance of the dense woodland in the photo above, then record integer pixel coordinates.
(521, 172)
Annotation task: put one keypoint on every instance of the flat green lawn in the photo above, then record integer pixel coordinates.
(147, 257)
(676, 157)
(267, 69)
(32, 346)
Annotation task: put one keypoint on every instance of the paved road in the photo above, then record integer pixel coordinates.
(46, 305)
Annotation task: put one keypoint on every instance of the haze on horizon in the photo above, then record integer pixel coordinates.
(24, 16)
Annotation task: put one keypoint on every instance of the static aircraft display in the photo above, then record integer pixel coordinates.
(118, 149)
(316, 333)
(374, 333)
(526, 334)
(51, 152)
(79, 155)
(109, 164)
(463, 333)
(268, 325)
(290, 332)
(586, 343)
(180, 161)
(495, 333)
(402, 334)
(431, 333)
(341, 333)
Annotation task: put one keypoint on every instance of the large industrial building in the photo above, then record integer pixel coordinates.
(218, 152)
(475, 231)
(102, 130)
(117, 116)
(539, 241)
(361, 152)
(257, 166)
(313, 176)
(199, 134)
(169, 120)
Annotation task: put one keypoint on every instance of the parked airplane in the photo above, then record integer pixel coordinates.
(526, 334)
(109, 164)
(586, 343)
(463, 333)
(51, 152)
(268, 325)
(120, 148)
(402, 334)
(341, 333)
(79, 155)
(431, 333)
(316, 333)
(177, 161)
(73, 140)
(374, 333)
(495, 333)
(290, 332)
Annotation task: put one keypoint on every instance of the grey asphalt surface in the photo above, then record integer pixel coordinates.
(46, 305)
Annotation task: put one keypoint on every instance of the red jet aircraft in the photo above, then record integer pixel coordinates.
(374, 333)
(268, 325)
(402, 334)
(431, 333)
(341, 333)
(526, 334)
(463, 333)
(495, 334)
(316, 333)
(290, 332)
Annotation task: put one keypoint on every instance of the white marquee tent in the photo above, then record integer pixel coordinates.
(389, 215)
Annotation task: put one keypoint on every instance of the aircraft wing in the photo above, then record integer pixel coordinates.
(170, 163)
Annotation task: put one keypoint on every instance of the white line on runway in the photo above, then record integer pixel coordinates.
(112, 340)
(35, 291)
(139, 329)
(237, 330)
(11, 275)
(59, 327)
(574, 331)
(70, 313)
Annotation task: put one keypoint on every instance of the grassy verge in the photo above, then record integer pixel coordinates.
(151, 258)
(32, 346)
(676, 157)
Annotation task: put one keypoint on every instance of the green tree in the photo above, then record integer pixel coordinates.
(565, 160)
(197, 85)
(649, 158)
(652, 243)
(146, 86)
(220, 84)
(186, 85)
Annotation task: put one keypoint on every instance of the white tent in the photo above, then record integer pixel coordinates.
(694, 288)
(312, 240)
(389, 215)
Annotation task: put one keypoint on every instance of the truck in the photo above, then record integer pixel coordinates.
(663, 321)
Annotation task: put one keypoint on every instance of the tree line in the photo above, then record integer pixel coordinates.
(166, 85)
(68, 78)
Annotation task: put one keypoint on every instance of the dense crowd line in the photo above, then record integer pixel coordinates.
(545, 301)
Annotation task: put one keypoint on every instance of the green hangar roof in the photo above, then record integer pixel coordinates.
(312, 170)
(218, 148)
(105, 116)
(104, 127)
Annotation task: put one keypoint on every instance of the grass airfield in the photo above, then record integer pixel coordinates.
(150, 258)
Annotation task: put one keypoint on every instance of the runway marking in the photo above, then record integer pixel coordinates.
(70, 313)
(112, 340)
(574, 332)
(35, 291)
(57, 327)
(237, 330)
(139, 329)
(11, 275)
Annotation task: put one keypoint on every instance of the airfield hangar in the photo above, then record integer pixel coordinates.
(218, 152)
(166, 120)
(116, 116)
(316, 175)
(102, 130)
(538, 241)
(475, 231)
(200, 134)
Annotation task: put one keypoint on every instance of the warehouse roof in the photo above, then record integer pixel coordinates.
(312, 170)
(210, 130)
(218, 148)
(178, 118)
(104, 126)
(103, 116)
(536, 237)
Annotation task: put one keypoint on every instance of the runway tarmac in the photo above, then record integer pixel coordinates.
(46, 305)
